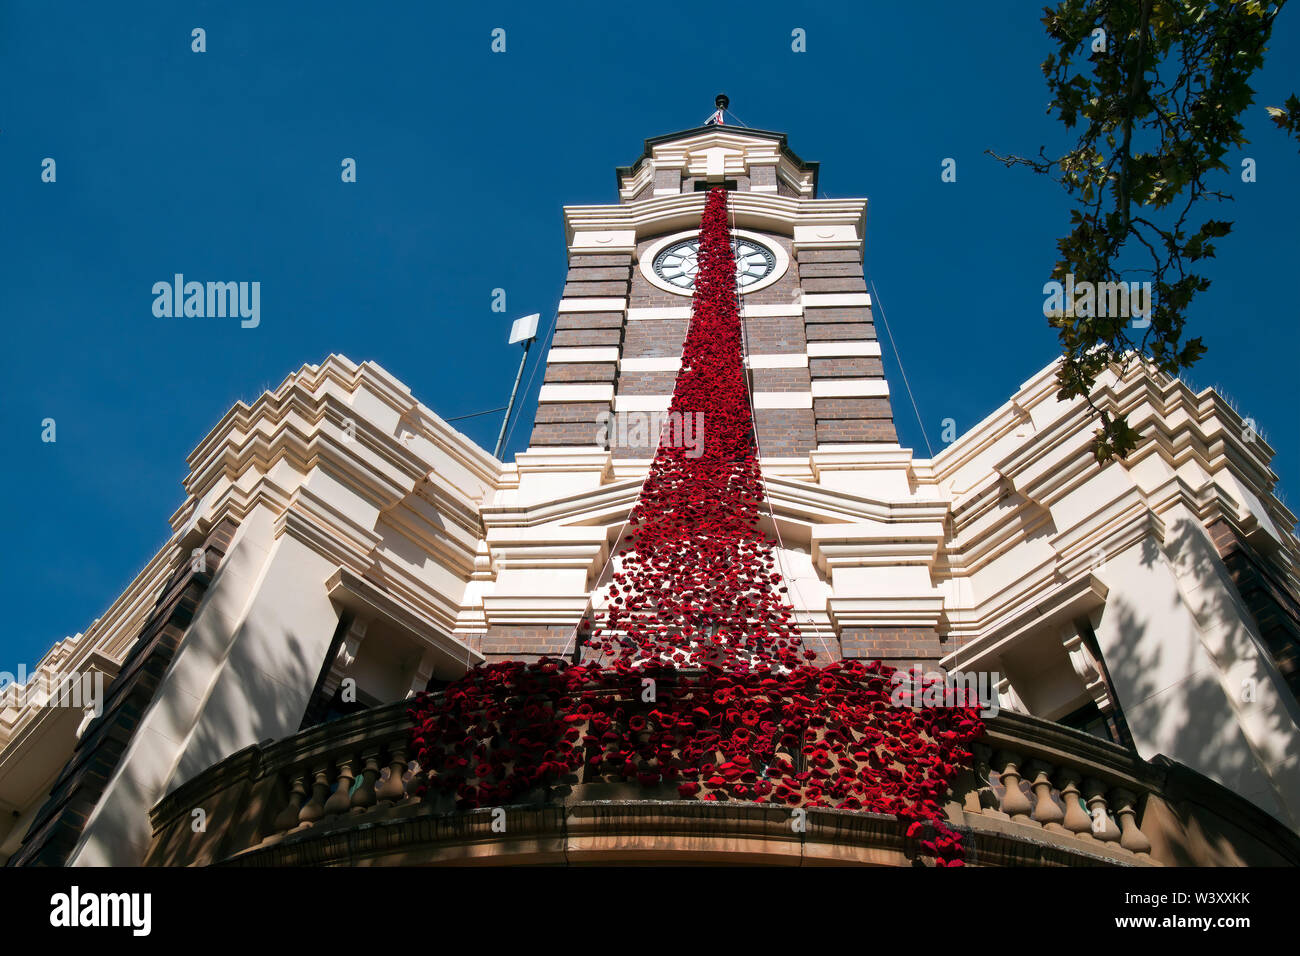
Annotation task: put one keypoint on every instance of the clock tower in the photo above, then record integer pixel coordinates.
(811, 349)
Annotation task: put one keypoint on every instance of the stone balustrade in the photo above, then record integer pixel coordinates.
(1037, 794)
(1030, 775)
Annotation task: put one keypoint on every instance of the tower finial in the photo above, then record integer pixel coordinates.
(721, 101)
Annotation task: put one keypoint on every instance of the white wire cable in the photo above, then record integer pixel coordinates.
(740, 122)
(619, 537)
(749, 394)
(875, 301)
(753, 412)
(510, 431)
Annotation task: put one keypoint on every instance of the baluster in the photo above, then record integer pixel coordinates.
(1014, 802)
(314, 808)
(1102, 826)
(1076, 820)
(393, 789)
(981, 797)
(365, 798)
(414, 780)
(1131, 837)
(1046, 811)
(341, 799)
(287, 818)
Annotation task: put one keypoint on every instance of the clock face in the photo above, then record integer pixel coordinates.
(677, 265)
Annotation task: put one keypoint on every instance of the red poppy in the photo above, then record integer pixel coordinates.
(698, 587)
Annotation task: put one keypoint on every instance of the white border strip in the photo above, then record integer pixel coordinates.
(607, 353)
(783, 400)
(575, 393)
(850, 388)
(825, 300)
(593, 305)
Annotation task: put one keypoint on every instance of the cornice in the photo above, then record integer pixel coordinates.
(368, 597)
(875, 544)
(548, 547)
(440, 607)
(762, 211)
(326, 530)
(607, 503)
(921, 610)
(331, 427)
(535, 610)
(1056, 604)
(673, 150)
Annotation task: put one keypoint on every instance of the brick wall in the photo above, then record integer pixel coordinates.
(851, 420)
(579, 372)
(780, 380)
(843, 420)
(896, 646)
(654, 338)
(1268, 597)
(846, 368)
(570, 423)
(783, 432)
(775, 335)
(524, 643)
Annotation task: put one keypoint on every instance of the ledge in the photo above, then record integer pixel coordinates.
(1184, 819)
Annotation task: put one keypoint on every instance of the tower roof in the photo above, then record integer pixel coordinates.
(657, 146)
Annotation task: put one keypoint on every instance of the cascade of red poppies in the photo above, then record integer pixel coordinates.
(694, 612)
(697, 583)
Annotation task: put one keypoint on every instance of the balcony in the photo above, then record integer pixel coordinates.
(344, 793)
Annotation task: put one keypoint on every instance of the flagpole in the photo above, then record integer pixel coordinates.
(501, 439)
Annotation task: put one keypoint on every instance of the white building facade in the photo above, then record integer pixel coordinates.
(340, 546)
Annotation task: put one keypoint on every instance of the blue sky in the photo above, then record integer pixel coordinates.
(225, 166)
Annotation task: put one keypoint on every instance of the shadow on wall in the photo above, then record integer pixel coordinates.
(1193, 718)
(217, 698)
(246, 704)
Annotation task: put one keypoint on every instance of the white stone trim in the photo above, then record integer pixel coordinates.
(642, 403)
(603, 353)
(837, 349)
(826, 300)
(764, 211)
(589, 241)
(857, 446)
(850, 388)
(655, 364)
(827, 234)
(769, 310)
(659, 312)
(786, 360)
(783, 399)
(575, 393)
(673, 363)
(593, 305)
(657, 403)
(764, 311)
